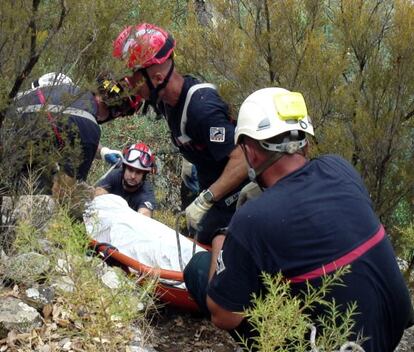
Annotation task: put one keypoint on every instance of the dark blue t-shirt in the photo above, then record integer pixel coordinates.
(210, 128)
(308, 219)
(141, 198)
(71, 127)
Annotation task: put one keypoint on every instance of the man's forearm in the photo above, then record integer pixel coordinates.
(232, 176)
(145, 211)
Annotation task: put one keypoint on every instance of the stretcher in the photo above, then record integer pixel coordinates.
(139, 245)
(167, 293)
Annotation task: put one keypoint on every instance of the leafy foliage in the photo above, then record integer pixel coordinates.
(283, 321)
(350, 59)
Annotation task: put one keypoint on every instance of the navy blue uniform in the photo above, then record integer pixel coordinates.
(75, 131)
(308, 219)
(143, 197)
(212, 140)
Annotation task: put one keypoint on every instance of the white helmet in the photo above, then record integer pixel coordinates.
(139, 156)
(51, 79)
(270, 112)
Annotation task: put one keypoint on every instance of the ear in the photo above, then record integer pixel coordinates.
(251, 150)
(306, 150)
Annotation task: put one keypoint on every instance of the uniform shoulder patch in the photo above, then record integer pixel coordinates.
(217, 134)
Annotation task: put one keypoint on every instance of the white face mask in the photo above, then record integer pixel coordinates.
(251, 173)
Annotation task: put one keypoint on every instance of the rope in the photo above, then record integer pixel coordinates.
(348, 346)
(177, 233)
(107, 173)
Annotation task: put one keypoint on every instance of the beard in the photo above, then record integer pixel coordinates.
(131, 186)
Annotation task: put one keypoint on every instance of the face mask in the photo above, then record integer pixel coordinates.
(251, 173)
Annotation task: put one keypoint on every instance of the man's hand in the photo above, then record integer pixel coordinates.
(196, 210)
(111, 156)
(250, 191)
(99, 191)
(189, 176)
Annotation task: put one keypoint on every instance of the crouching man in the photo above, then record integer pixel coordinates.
(313, 217)
(129, 181)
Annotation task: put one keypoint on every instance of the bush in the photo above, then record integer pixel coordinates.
(282, 321)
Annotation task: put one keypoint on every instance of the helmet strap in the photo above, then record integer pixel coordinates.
(254, 173)
(154, 91)
(290, 145)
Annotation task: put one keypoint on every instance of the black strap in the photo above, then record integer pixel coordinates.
(105, 252)
(153, 98)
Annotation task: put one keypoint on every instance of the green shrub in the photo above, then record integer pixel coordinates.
(282, 321)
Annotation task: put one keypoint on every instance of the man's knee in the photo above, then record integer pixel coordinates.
(196, 278)
(197, 269)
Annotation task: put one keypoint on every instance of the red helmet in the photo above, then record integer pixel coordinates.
(143, 45)
(139, 156)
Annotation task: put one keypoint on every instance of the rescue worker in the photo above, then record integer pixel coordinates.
(198, 120)
(129, 181)
(55, 112)
(313, 217)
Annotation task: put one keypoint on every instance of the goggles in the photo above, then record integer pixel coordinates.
(144, 158)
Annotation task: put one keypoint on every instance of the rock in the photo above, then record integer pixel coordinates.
(26, 268)
(63, 266)
(140, 349)
(137, 341)
(111, 279)
(45, 246)
(35, 207)
(44, 348)
(65, 344)
(17, 315)
(407, 342)
(64, 283)
(402, 264)
(39, 296)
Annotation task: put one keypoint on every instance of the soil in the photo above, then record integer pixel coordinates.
(178, 331)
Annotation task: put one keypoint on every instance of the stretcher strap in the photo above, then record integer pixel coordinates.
(108, 247)
(342, 261)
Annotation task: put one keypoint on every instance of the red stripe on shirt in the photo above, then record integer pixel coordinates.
(342, 261)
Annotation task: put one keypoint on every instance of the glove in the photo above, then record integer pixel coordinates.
(110, 156)
(250, 191)
(195, 212)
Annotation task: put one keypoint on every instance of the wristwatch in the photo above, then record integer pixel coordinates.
(208, 196)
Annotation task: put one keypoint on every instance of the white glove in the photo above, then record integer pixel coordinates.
(111, 156)
(196, 211)
(250, 191)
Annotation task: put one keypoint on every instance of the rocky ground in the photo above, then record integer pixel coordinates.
(177, 331)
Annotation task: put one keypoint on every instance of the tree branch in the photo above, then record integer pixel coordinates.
(34, 56)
